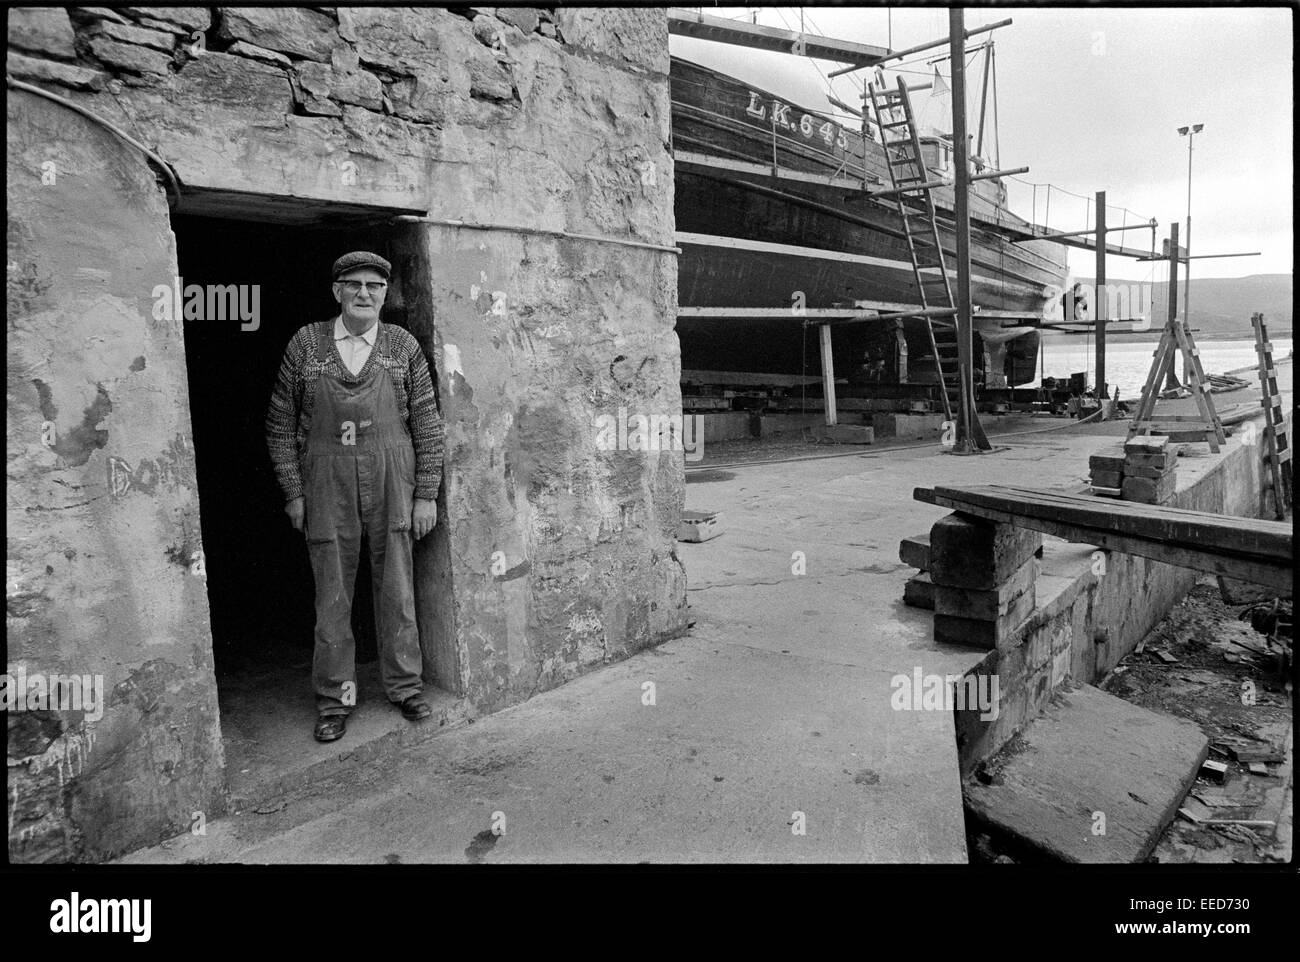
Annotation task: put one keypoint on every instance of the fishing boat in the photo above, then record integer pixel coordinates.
(778, 225)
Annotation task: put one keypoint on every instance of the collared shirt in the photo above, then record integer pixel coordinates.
(354, 348)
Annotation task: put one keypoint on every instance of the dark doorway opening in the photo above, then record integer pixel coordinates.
(260, 586)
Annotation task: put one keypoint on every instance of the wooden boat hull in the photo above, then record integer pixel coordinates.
(764, 251)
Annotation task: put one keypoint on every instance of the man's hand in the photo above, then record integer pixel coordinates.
(294, 510)
(424, 517)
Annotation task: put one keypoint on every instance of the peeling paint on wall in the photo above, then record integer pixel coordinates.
(75, 445)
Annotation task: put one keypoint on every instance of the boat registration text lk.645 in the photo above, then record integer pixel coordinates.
(808, 124)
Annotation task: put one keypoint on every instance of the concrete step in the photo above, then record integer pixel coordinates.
(1094, 779)
(271, 755)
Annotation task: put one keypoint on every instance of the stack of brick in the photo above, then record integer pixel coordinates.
(915, 553)
(1149, 463)
(1106, 472)
(984, 577)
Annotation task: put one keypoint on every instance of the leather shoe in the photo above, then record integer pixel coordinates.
(330, 728)
(416, 708)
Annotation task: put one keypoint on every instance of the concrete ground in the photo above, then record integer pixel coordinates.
(765, 734)
(268, 711)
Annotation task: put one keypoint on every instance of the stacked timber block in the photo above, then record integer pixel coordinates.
(1149, 463)
(915, 553)
(1106, 472)
(984, 576)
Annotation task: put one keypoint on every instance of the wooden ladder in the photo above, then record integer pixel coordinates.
(908, 177)
(1277, 455)
(1173, 339)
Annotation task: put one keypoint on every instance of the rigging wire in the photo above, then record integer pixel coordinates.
(825, 80)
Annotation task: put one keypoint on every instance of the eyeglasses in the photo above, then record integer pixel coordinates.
(372, 287)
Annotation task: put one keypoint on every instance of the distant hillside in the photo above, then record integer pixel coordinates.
(1221, 306)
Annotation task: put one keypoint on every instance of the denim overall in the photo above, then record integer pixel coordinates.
(359, 477)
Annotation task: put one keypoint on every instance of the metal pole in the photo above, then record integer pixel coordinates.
(1100, 300)
(970, 435)
(1171, 380)
(1187, 277)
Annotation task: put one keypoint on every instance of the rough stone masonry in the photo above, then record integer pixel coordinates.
(552, 557)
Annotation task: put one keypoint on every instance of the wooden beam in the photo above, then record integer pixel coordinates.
(991, 174)
(1201, 257)
(689, 23)
(984, 99)
(910, 188)
(692, 159)
(935, 312)
(1182, 526)
(747, 378)
(898, 55)
(857, 314)
(1082, 233)
(1216, 544)
(828, 376)
(1255, 571)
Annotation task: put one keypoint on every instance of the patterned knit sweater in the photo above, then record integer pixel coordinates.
(289, 416)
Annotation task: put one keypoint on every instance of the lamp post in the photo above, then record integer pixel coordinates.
(1190, 133)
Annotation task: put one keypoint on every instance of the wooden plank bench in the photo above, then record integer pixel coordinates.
(1247, 549)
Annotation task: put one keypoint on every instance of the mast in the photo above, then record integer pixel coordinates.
(970, 435)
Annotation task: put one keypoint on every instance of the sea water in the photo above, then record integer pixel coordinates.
(1128, 362)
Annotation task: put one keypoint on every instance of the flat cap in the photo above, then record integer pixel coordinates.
(358, 259)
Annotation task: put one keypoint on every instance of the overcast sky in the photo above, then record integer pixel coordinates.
(1091, 99)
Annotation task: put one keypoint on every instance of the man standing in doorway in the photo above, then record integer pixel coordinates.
(356, 441)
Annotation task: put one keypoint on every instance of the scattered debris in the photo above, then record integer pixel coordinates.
(1236, 592)
(699, 526)
(1214, 800)
(1222, 383)
(1249, 756)
(1270, 618)
(1215, 771)
(1230, 686)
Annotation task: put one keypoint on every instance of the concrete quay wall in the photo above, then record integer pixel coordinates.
(1094, 606)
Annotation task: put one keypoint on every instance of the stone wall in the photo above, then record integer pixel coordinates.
(553, 556)
(103, 523)
(561, 556)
